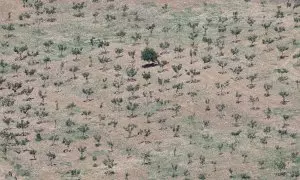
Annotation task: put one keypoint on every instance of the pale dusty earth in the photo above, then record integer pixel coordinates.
(161, 141)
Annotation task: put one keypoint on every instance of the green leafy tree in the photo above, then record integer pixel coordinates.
(149, 55)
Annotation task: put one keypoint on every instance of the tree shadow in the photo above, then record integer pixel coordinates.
(149, 65)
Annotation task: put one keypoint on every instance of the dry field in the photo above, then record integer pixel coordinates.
(140, 89)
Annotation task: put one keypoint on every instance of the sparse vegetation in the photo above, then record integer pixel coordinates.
(118, 89)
